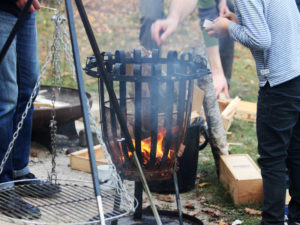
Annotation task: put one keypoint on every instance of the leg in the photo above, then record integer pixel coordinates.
(276, 118)
(293, 163)
(226, 47)
(28, 72)
(8, 93)
(150, 12)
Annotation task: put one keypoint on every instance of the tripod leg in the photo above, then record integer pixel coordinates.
(178, 198)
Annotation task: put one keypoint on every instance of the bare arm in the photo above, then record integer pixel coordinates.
(223, 9)
(179, 10)
(219, 80)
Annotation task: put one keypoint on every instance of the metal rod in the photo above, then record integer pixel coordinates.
(169, 96)
(112, 95)
(137, 70)
(138, 194)
(177, 197)
(120, 70)
(15, 30)
(154, 101)
(123, 106)
(102, 109)
(144, 182)
(83, 100)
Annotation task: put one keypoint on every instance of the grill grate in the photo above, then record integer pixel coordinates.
(75, 203)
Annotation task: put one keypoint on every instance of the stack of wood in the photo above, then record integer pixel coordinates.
(236, 109)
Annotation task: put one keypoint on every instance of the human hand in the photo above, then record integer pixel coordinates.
(34, 6)
(219, 28)
(162, 29)
(223, 9)
(220, 84)
(231, 16)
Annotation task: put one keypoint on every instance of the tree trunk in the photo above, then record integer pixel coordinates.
(216, 131)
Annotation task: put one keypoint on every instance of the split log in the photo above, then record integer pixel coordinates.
(216, 131)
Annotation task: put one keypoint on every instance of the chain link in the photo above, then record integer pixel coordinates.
(28, 106)
(59, 43)
(60, 38)
(122, 190)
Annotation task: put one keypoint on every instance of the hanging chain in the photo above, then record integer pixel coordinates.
(24, 115)
(58, 43)
(115, 177)
(60, 39)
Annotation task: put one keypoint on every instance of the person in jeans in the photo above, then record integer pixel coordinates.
(220, 56)
(271, 30)
(19, 72)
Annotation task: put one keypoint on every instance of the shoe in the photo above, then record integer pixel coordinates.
(29, 186)
(12, 205)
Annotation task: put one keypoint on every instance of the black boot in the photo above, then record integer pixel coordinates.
(12, 205)
(29, 186)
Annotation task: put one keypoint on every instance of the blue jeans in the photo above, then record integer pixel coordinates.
(278, 134)
(18, 74)
(150, 12)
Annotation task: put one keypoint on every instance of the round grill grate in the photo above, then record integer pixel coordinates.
(71, 202)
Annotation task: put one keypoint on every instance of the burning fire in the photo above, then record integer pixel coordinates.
(160, 148)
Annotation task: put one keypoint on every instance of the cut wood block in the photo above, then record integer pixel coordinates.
(246, 111)
(80, 160)
(228, 109)
(241, 176)
(198, 96)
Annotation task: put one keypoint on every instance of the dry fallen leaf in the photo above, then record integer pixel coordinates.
(204, 184)
(165, 198)
(193, 213)
(189, 205)
(212, 212)
(222, 223)
(252, 211)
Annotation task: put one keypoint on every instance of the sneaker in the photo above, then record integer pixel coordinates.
(12, 205)
(29, 186)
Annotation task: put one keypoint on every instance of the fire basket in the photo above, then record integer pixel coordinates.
(155, 97)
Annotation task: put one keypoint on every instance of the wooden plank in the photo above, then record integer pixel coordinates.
(231, 108)
(228, 108)
(242, 167)
(80, 160)
(241, 176)
(198, 96)
(246, 111)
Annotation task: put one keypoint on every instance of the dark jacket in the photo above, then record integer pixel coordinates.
(10, 7)
(298, 4)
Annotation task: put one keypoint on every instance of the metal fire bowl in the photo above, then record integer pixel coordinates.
(167, 217)
(154, 174)
(64, 113)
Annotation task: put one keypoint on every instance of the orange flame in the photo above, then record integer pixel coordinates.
(160, 148)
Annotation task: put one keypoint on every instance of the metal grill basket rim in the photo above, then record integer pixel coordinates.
(75, 204)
